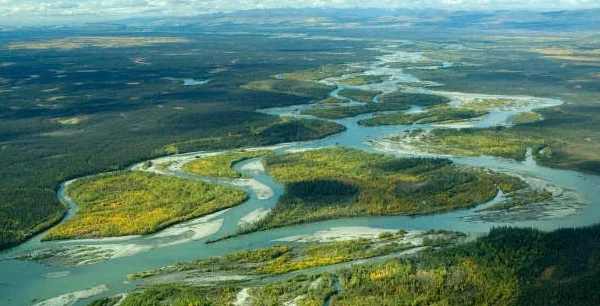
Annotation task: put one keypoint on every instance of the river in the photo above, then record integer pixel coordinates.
(28, 282)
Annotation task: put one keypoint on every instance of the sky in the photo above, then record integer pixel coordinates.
(32, 11)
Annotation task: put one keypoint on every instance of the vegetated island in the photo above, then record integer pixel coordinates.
(340, 182)
(435, 114)
(285, 258)
(131, 202)
(500, 142)
(389, 102)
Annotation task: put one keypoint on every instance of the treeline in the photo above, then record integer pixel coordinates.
(19, 220)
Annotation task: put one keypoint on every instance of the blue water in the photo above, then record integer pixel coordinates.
(23, 282)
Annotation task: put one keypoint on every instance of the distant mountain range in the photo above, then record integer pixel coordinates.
(579, 20)
(554, 20)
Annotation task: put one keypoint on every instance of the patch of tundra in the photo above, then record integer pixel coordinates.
(73, 297)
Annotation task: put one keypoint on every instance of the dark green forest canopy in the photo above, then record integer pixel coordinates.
(71, 113)
(68, 113)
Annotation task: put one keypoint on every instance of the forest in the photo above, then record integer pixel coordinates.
(92, 110)
(341, 182)
(508, 266)
(133, 203)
